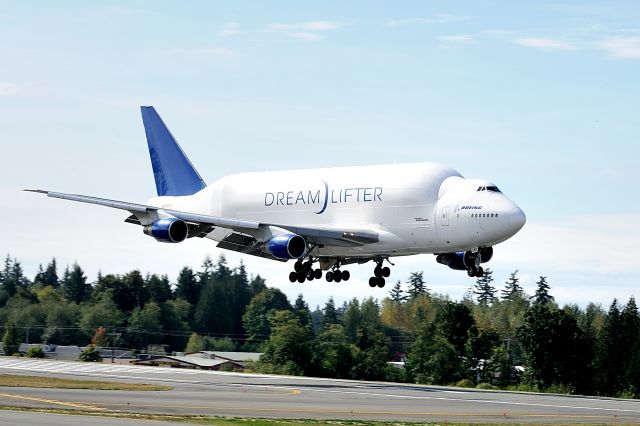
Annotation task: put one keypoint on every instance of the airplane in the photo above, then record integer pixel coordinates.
(330, 216)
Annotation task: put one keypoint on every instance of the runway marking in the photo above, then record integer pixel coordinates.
(81, 405)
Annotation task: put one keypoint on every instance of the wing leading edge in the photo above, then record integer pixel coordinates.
(247, 236)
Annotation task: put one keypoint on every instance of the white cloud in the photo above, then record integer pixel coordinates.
(441, 18)
(202, 51)
(622, 47)
(230, 29)
(309, 31)
(8, 89)
(455, 39)
(544, 44)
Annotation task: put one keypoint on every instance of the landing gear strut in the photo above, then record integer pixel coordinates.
(303, 271)
(472, 262)
(379, 274)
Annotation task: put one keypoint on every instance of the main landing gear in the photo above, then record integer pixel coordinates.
(303, 271)
(472, 261)
(335, 274)
(379, 274)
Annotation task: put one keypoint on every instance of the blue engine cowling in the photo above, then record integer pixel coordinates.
(287, 246)
(460, 260)
(168, 230)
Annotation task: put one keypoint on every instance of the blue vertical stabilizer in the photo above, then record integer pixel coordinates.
(172, 170)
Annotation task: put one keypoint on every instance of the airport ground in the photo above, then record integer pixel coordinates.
(209, 393)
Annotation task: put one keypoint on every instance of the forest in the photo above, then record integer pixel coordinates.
(495, 337)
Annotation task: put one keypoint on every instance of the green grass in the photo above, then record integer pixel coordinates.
(52, 382)
(239, 421)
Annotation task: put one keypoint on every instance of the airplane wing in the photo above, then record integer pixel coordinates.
(245, 236)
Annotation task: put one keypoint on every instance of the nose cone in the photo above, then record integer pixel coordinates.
(517, 219)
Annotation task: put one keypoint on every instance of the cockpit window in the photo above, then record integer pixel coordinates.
(489, 188)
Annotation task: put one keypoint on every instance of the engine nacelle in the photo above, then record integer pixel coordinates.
(287, 246)
(452, 260)
(462, 260)
(486, 253)
(168, 230)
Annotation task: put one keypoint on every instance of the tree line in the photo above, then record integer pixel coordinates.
(500, 338)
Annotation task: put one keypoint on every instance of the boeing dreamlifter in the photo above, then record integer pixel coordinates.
(331, 216)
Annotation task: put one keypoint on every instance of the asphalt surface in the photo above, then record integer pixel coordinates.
(249, 395)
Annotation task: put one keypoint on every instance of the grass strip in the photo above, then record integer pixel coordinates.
(255, 421)
(10, 380)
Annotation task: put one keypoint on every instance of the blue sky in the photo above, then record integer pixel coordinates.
(541, 98)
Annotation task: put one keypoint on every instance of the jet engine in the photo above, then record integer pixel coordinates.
(168, 230)
(287, 246)
(462, 260)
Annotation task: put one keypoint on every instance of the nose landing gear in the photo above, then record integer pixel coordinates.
(472, 262)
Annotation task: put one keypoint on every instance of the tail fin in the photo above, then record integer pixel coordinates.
(172, 170)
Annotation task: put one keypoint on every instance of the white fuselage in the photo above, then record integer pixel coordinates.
(415, 208)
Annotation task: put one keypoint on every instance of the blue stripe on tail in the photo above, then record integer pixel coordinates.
(172, 170)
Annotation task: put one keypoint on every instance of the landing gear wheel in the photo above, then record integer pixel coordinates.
(337, 277)
(346, 275)
(301, 277)
(471, 272)
(293, 277)
(329, 276)
(297, 266)
(373, 281)
(386, 271)
(310, 276)
(381, 282)
(317, 274)
(480, 272)
(377, 271)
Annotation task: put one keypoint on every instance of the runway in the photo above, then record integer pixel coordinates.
(234, 394)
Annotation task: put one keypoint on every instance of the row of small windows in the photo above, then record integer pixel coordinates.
(484, 214)
(489, 188)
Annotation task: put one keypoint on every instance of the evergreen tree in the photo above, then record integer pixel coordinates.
(301, 309)
(158, 288)
(542, 296)
(454, 321)
(512, 288)
(396, 293)
(50, 276)
(11, 339)
(610, 354)
(330, 315)
(222, 272)
(630, 339)
(13, 278)
(75, 286)
(417, 285)
(554, 348)
(188, 287)
(352, 320)
(257, 284)
(483, 289)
